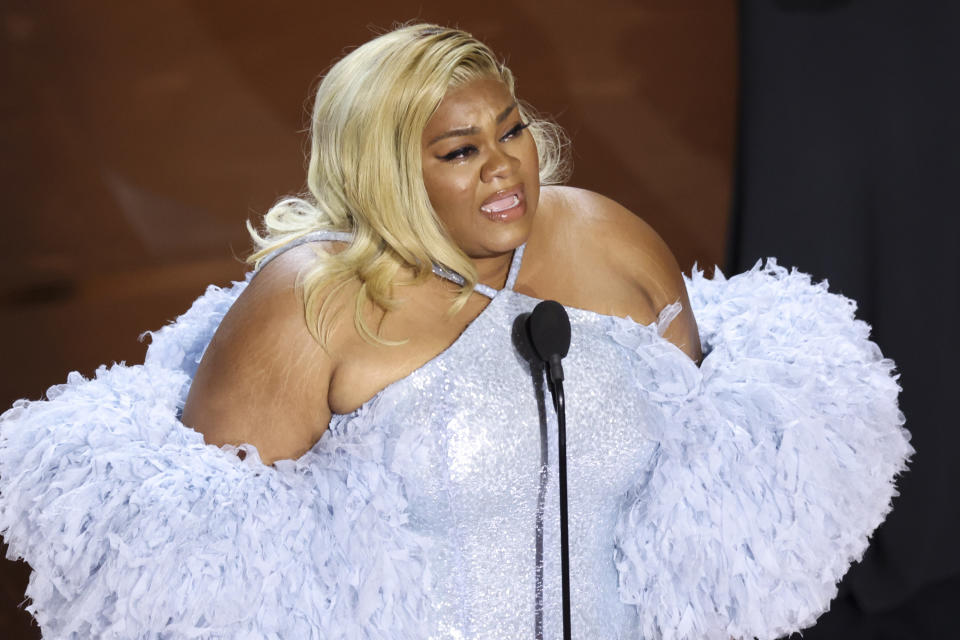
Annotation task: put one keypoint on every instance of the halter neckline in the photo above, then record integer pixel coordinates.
(438, 269)
(490, 292)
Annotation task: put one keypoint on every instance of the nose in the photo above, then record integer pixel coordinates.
(498, 164)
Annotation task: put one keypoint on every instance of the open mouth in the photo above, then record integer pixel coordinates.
(498, 206)
(505, 205)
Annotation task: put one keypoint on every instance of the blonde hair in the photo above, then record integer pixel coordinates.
(365, 173)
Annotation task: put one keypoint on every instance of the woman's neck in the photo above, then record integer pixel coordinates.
(493, 271)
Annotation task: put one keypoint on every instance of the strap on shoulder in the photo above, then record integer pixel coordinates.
(481, 288)
(456, 278)
(515, 267)
(347, 236)
(313, 236)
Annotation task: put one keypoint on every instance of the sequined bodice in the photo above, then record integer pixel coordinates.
(720, 501)
(472, 434)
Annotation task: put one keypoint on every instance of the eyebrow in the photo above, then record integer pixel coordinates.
(469, 131)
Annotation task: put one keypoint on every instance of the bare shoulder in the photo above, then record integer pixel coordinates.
(614, 236)
(621, 248)
(263, 379)
(588, 211)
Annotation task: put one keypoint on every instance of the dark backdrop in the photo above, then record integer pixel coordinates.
(849, 165)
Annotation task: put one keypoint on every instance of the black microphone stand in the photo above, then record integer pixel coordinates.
(559, 404)
(549, 330)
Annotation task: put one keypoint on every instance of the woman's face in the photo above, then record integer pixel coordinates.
(480, 168)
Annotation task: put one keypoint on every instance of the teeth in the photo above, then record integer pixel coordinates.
(502, 205)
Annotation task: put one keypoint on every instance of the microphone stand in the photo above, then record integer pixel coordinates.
(559, 404)
(548, 328)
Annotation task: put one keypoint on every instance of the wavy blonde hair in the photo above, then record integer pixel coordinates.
(365, 173)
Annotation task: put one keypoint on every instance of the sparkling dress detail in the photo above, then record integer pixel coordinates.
(717, 501)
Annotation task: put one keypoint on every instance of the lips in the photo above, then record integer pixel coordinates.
(504, 205)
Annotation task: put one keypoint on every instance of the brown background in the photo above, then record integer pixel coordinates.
(137, 137)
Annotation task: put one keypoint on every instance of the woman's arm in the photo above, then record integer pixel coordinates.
(264, 379)
(657, 270)
(612, 262)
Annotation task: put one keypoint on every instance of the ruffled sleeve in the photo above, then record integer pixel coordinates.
(776, 460)
(136, 529)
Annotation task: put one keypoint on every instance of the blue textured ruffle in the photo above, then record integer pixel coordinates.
(137, 529)
(776, 461)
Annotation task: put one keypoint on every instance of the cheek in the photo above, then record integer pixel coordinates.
(450, 194)
(532, 159)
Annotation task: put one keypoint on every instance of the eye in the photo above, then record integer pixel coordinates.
(515, 131)
(459, 154)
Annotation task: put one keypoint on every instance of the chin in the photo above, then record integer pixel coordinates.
(505, 239)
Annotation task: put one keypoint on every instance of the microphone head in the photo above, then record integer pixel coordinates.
(549, 329)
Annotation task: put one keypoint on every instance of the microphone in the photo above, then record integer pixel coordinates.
(548, 328)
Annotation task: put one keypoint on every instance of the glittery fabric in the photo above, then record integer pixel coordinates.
(706, 503)
(469, 444)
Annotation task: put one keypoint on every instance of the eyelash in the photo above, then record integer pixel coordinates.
(463, 152)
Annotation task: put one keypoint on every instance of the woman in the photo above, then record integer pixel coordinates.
(412, 493)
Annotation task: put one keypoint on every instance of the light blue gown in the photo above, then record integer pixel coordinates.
(713, 502)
